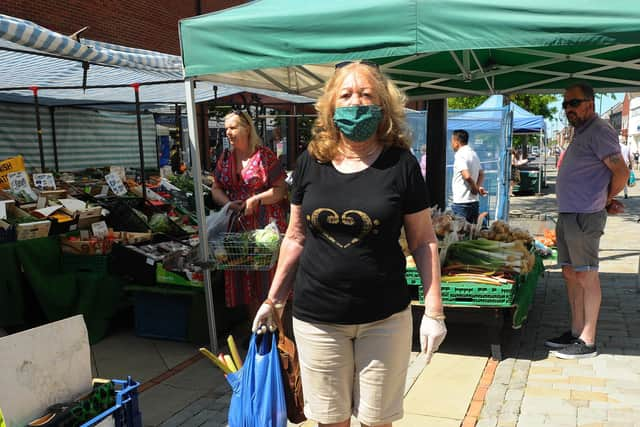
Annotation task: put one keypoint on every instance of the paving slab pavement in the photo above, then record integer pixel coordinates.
(531, 388)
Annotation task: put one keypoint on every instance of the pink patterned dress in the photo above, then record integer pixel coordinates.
(262, 170)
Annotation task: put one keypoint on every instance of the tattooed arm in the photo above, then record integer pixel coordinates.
(620, 174)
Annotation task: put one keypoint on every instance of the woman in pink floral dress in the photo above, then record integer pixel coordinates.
(252, 179)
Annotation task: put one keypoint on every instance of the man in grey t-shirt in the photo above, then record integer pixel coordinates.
(591, 174)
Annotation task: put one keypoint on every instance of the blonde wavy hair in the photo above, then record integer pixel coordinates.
(392, 131)
(246, 122)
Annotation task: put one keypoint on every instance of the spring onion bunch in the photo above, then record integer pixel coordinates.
(490, 255)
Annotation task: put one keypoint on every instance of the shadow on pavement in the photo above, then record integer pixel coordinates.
(618, 324)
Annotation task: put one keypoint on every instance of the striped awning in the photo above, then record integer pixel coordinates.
(33, 36)
(31, 55)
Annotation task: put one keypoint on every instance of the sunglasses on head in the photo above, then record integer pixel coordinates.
(242, 114)
(573, 103)
(364, 62)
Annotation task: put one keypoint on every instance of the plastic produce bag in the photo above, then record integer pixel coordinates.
(258, 392)
(218, 222)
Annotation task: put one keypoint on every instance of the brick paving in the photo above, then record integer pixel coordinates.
(531, 388)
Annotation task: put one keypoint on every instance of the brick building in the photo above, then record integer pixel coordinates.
(144, 24)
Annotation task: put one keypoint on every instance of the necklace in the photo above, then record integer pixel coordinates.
(358, 157)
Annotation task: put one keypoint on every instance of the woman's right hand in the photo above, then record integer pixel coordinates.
(236, 205)
(265, 318)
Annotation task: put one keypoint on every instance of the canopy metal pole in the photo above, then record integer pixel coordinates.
(541, 147)
(196, 171)
(34, 89)
(179, 128)
(54, 138)
(136, 90)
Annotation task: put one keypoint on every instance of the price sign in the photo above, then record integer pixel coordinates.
(44, 181)
(99, 229)
(115, 183)
(19, 185)
(19, 181)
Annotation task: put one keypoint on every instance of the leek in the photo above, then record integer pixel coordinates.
(490, 255)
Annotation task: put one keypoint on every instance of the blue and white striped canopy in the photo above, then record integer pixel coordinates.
(31, 35)
(31, 55)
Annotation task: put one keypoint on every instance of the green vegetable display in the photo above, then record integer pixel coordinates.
(159, 223)
(184, 182)
(490, 254)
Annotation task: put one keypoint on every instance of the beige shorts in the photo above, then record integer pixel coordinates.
(355, 370)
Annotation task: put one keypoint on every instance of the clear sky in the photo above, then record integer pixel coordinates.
(603, 103)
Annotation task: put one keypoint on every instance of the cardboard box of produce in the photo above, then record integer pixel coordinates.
(79, 211)
(91, 245)
(26, 226)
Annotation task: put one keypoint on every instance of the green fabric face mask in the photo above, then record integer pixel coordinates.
(358, 123)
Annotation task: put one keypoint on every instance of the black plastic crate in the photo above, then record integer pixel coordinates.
(121, 215)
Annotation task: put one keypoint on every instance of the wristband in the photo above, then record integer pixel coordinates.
(433, 316)
(274, 304)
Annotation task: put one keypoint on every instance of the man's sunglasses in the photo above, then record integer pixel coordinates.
(573, 103)
(364, 62)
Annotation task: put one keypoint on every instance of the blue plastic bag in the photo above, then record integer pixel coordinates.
(632, 179)
(258, 392)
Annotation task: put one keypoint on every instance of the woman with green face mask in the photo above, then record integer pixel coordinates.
(354, 189)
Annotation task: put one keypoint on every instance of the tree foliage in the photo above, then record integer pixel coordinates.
(536, 104)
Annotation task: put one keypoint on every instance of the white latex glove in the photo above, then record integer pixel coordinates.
(264, 319)
(432, 333)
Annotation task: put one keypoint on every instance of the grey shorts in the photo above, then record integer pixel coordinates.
(578, 239)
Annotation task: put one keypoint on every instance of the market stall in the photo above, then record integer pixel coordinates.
(489, 134)
(525, 124)
(491, 273)
(491, 128)
(432, 51)
(74, 110)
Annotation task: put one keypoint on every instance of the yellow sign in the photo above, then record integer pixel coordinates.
(12, 164)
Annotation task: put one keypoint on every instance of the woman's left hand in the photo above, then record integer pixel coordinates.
(432, 333)
(251, 205)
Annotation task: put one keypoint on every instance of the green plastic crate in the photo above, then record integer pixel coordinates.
(170, 278)
(413, 279)
(467, 293)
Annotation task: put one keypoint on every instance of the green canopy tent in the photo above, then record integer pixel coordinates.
(432, 49)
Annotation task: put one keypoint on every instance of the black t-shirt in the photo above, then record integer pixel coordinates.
(352, 269)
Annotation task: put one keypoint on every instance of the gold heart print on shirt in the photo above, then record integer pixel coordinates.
(348, 218)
